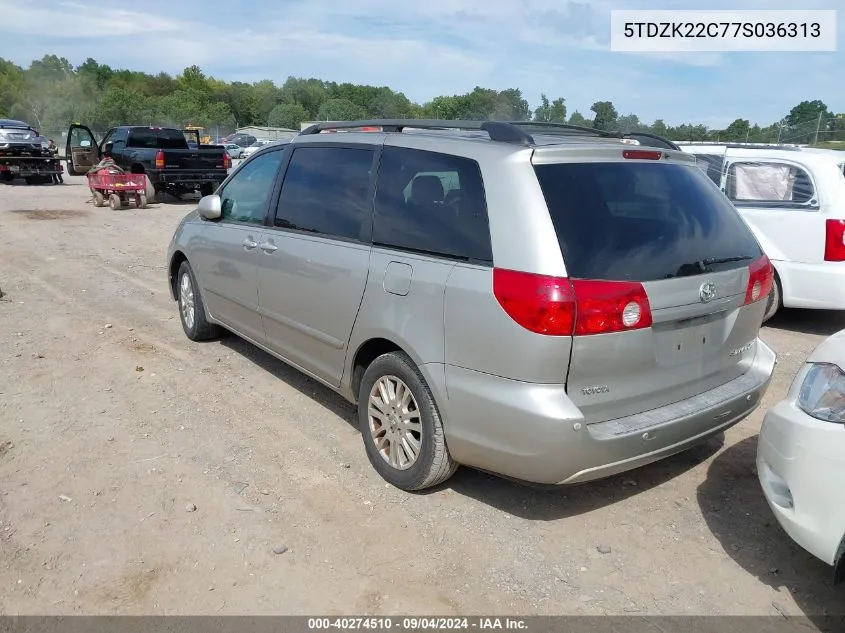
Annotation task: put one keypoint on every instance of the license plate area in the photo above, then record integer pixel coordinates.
(689, 341)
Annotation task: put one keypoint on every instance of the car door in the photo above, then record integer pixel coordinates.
(81, 150)
(779, 200)
(225, 258)
(313, 262)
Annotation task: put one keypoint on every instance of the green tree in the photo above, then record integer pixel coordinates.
(738, 131)
(606, 115)
(11, 86)
(551, 112)
(340, 110)
(578, 119)
(807, 112)
(630, 123)
(288, 115)
(659, 128)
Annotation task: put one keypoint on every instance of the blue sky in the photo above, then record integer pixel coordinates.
(430, 47)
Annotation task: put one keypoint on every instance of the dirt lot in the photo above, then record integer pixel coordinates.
(113, 426)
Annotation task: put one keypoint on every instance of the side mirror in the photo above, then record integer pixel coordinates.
(210, 207)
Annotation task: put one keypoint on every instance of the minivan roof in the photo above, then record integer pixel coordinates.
(520, 133)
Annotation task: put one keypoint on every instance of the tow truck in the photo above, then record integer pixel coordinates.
(24, 154)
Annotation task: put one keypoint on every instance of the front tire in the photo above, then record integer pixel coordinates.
(401, 426)
(191, 308)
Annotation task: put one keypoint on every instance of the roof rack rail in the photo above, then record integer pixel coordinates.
(500, 131)
(766, 146)
(647, 138)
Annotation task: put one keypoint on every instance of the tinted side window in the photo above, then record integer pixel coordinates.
(640, 221)
(246, 195)
(431, 203)
(325, 191)
(768, 182)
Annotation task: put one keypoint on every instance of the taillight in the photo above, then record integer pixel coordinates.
(760, 279)
(227, 160)
(642, 154)
(160, 159)
(558, 306)
(610, 306)
(834, 243)
(539, 303)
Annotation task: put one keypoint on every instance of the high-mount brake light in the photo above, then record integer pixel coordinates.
(641, 154)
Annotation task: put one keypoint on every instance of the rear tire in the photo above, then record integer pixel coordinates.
(141, 200)
(114, 202)
(99, 200)
(401, 426)
(191, 308)
(32, 180)
(207, 189)
(775, 300)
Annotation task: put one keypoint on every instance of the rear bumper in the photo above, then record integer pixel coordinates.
(187, 178)
(820, 286)
(534, 433)
(801, 466)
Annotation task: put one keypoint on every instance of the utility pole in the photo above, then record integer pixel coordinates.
(818, 125)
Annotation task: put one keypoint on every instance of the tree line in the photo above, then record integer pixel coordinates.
(51, 93)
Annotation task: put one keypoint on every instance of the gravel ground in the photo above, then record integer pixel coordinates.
(144, 473)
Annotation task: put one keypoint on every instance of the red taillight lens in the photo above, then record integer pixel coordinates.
(610, 306)
(227, 160)
(760, 280)
(642, 154)
(539, 303)
(559, 306)
(160, 159)
(834, 243)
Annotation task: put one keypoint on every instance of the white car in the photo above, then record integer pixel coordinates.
(801, 456)
(794, 201)
(249, 151)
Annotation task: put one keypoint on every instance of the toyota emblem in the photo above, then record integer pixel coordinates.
(707, 292)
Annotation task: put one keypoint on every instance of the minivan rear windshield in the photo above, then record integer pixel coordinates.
(643, 221)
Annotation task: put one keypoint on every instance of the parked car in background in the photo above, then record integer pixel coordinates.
(794, 201)
(801, 456)
(25, 154)
(257, 145)
(383, 264)
(234, 150)
(244, 140)
(163, 154)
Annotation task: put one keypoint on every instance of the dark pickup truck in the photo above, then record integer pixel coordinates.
(163, 154)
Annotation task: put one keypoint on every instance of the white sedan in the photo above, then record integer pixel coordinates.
(801, 456)
(249, 151)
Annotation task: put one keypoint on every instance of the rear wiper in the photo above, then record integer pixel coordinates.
(725, 260)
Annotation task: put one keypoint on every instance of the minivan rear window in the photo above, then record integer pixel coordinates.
(643, 221)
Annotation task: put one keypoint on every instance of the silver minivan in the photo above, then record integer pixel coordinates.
(547, 303)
